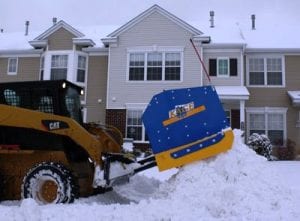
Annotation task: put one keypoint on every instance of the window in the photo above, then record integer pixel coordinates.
(134, 126)
(228, 116)
(172, 66)
(274, 71)
(59, 67)
(155, 66)
(223, 67)
(12, 66)
(81, 69)
(136, 67)
(256, 71)
(270, 122)
(265, 71)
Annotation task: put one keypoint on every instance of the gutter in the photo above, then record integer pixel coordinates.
(26, 52)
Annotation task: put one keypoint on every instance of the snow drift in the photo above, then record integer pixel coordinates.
(236, 185)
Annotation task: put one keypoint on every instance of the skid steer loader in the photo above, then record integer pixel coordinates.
(49, 154)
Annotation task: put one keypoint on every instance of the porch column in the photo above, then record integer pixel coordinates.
(242, 114)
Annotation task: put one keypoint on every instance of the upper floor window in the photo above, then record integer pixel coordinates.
(172, 66)
(136, 67)
(265, 71)
(155, 66)
(59, 67)
(12, 66)
(81, 69)
(223, 67)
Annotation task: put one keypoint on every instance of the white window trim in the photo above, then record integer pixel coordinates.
(228, 70)
(72, 67)
(8, 62)
(150, 49)
(85, 68)
(137, 107)
(265, 57)
(42, 67)
(266, 111)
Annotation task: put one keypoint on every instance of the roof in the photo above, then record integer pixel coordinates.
(232, 92)
(295, 97)
(270, 34)
(58, 25)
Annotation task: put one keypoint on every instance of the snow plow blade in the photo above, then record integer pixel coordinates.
(186, 125)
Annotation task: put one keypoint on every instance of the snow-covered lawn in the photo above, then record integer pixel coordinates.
(237, 185)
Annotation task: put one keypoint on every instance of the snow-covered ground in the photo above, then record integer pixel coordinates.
(237, 185)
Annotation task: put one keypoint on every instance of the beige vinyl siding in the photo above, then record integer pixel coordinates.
(155, 30)
(268, 97)
(220, 81)
(292, 66)
(28, 69)
(60, 40)
(278, 97)
(97, 81)
(292, 75)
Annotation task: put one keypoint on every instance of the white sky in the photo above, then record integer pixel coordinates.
(14, 13)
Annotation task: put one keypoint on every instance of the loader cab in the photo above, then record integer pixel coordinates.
(58, 97)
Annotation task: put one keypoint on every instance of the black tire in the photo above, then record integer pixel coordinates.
(50, 182)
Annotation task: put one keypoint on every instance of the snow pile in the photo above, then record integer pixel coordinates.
(237, 185)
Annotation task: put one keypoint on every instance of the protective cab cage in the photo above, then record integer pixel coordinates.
(58, 97)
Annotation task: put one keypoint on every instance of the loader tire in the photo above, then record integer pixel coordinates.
(50, 183)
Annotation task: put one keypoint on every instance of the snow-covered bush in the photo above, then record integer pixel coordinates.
(261, 144)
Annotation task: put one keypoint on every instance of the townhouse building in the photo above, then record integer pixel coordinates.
(255, 73)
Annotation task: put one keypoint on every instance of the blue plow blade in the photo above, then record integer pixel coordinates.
(185, 125)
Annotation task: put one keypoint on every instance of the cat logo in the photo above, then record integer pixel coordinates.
(54, 125)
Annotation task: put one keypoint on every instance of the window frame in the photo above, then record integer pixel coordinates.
(143, 131)
(266, 111)
(136, 107)
(81, 68)
(9, 65)
(59, 67)
(266, 71)
(232, 66)
(218, 67)
(154, 49)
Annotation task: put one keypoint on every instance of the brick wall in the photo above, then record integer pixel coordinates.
(116, 118)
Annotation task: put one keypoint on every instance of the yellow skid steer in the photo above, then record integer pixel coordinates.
(49, 154)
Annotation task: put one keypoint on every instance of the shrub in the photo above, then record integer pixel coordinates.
(261, 144)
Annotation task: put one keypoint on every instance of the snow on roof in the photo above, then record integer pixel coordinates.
(232, 92)
(269, 33)
(16, 40)
(96, 33)
(295, 96)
